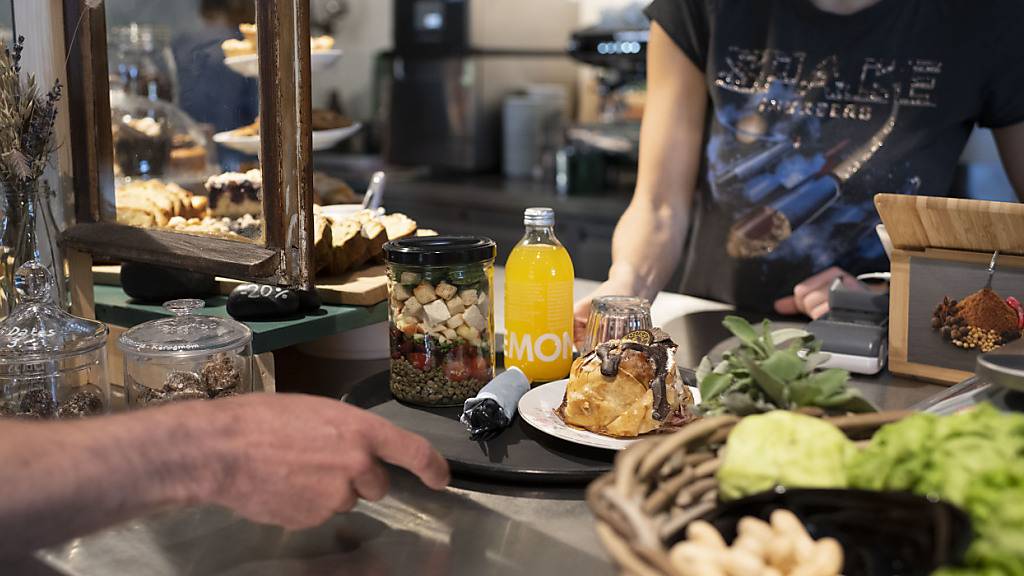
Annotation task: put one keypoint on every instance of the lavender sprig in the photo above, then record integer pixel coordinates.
(27, 118)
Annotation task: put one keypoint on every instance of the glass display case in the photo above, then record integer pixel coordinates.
(192, 134)
(52, 364)
(186, 357)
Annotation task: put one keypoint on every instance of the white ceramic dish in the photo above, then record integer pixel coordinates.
(249, 66)
(537, 407)
(322, 139)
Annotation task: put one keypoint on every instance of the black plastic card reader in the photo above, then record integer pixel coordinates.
(855, 331)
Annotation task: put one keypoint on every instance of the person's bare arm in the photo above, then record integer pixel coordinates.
(289, 460)
(649, 238)
(1011, 148)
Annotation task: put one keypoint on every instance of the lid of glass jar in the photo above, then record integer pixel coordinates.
(37, 329)
(441, 250)
(186, 333)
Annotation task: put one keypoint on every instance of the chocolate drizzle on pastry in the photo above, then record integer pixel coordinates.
(655, 346)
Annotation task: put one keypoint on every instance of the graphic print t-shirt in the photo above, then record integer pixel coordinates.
(814, 113)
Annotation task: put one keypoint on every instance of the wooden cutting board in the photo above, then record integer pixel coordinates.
(919, 222)
(365, 287)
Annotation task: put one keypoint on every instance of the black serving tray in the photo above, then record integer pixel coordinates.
(519, 454)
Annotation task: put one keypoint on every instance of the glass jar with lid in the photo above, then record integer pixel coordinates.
(52, 364)
(440, 318)
(186, 357)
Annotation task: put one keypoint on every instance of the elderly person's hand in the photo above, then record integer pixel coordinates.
(295, 460)
(284, 459)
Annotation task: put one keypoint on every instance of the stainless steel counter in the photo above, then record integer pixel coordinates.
(465, 530)
(472, 528)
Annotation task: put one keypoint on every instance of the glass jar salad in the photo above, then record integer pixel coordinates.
(440, 318)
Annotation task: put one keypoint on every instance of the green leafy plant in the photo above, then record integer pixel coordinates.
(773, 370)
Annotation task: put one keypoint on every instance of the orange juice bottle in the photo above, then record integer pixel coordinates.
(538, 301)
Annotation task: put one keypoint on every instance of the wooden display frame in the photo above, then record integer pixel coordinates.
(286, 258)
(942, 248)
(964, 273)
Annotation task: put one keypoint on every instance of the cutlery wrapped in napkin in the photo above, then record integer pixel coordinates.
(493, 409)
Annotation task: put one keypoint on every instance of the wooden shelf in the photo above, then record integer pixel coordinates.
(114, 307)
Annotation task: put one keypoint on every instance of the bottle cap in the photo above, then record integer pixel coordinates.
(539, 217)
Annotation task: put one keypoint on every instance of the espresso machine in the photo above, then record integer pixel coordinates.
(454, 61)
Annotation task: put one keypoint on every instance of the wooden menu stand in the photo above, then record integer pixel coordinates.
(942, 248)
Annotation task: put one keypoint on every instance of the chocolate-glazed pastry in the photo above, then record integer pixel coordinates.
(627, 387)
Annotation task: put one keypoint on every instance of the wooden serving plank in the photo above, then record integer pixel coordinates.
(919, 222)
(365, 287)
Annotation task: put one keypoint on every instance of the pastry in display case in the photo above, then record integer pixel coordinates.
(329, 129)
(234, 48)
(235, 194)
(155, 139)
(186, 357)
(154, 203)
(241, 55)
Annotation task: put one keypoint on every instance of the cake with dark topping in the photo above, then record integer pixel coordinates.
(234, 194)
(627, 387)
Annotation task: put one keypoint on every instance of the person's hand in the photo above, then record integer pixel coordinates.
(295, 460)
(810, 297)
(581, 314)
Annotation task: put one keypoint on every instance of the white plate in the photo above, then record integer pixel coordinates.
(322, 139)
(249, 66)
(537, 407)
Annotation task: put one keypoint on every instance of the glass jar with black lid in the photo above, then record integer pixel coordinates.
(440, 317)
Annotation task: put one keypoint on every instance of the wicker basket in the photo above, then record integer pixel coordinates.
(661, 485)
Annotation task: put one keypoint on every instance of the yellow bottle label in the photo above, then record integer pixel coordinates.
(538, 312)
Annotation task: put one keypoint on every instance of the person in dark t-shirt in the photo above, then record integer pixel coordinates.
(771, 124)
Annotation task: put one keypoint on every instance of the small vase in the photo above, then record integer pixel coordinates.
(30, 232)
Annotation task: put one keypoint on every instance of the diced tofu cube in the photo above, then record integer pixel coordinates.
(483, 303)
(400, 292)
(413, 308)
(436, 312)
(445, 291)
(474, 318)
(409, 278)
(425, 293)
(450, 334)
(468, 297)
(469, 334)
(455, 321)
(407, 325)
(441, 339)
(455, 306)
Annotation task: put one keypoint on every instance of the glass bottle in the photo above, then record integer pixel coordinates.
(32, 233)
(538, 301)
